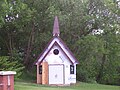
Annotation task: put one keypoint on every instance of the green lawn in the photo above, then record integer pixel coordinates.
(79, 86)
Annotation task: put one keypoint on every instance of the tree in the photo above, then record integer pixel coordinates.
(90, 29)
(7, 65)
(104, 19)
(13, 14)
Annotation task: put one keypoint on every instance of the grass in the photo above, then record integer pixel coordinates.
(78, 86)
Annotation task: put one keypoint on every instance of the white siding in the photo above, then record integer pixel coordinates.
(58, 74)
(61, 58)
(61, 45)
(67, 73)
(70, 78)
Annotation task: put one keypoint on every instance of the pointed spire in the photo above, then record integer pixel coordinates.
(56, 31)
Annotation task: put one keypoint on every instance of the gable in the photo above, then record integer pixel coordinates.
(57, 56)
(56, 41)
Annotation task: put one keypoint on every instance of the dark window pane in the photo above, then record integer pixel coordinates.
(40, 69)
(56, 51)
(71, 69)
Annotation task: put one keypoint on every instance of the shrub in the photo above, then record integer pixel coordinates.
(6, 64)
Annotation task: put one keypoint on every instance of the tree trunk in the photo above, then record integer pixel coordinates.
(11, 46)
(100, 73)
(29, 48)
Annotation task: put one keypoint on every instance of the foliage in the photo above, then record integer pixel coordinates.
(92, 48)
(16, 15)
(7, 65)
(90, 28)
(15, 12)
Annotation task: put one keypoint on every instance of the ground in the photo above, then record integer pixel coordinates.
(78, 86)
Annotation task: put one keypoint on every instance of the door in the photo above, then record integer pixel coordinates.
(56, 74)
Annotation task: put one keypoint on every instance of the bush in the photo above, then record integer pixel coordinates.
(6, 64)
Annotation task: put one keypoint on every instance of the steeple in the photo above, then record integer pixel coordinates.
(56, 31)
